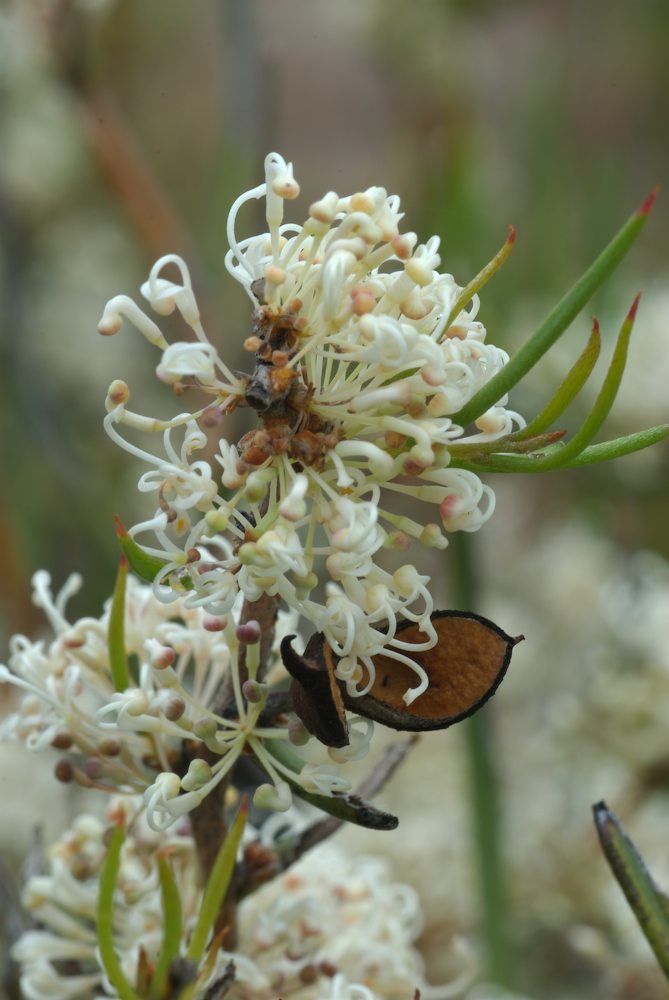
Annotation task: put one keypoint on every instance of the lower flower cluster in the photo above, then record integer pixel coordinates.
(331, 928)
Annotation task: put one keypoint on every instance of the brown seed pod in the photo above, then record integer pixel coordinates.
(465, 668)
(315, 693)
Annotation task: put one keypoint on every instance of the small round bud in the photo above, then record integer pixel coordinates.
(118, 392)
(325, 210)
(418, 270)
(276, 797)
(174, 709)
(450, 507)
(213, 623)
(198, 774)
(217, 520)
(274, 274)
(161, 656)
(361, 202)
(432, 537)
(285, 185)
(406, 579)
(298, 733)
(363, 300)
(205, 729)
(398, 540)
(309, 974)
(62, 740)
(80, 869)
(253, 691)
(211, 417)
(93, 768)
(110, 746)
(64, 771)
(403, 245)
(136, 702)
(248, 632)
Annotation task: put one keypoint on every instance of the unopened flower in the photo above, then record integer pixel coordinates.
(363, 351)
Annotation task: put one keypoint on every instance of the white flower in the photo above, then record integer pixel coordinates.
(132, 740)
(332, 927)
(362, 355)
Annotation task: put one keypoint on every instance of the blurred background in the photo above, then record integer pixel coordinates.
(127, 131)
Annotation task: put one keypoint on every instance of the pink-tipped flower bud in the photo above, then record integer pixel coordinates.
(213, 623)
(174, 709)
(298, 734)
(253, 691)
(248, 632)
(118, 392)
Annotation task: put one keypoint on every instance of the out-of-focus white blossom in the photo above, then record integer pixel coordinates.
(331, 928)
(362, 356)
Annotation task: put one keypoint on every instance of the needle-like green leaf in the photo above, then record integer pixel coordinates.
(172, 926)
(105, 917)
(146, 566)
(649, 905)
(557, 456)
(558, 320)
(618, 447)
(118, 661)
(567, 392)
(482, 278)
(217, 885)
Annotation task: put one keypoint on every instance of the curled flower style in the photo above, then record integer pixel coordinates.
(168, 735)
(363, 352)
(331, 928)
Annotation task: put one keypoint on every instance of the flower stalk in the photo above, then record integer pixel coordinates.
(486, 802)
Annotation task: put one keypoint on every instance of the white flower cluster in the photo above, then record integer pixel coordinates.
(331, 928)
(131, 740)
(362, 354)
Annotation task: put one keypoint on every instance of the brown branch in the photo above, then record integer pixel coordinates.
(127, 175)
(264, 611)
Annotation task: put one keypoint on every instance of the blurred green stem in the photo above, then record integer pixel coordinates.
(485, 797)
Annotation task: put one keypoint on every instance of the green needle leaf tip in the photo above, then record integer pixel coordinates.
(217, 885)
(649, 905)
(559, 318)
(146, 566)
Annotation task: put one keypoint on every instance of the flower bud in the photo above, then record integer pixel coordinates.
(253, 691)
(278, 798)
(248, 632)
(198, 774)
(205, 729)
